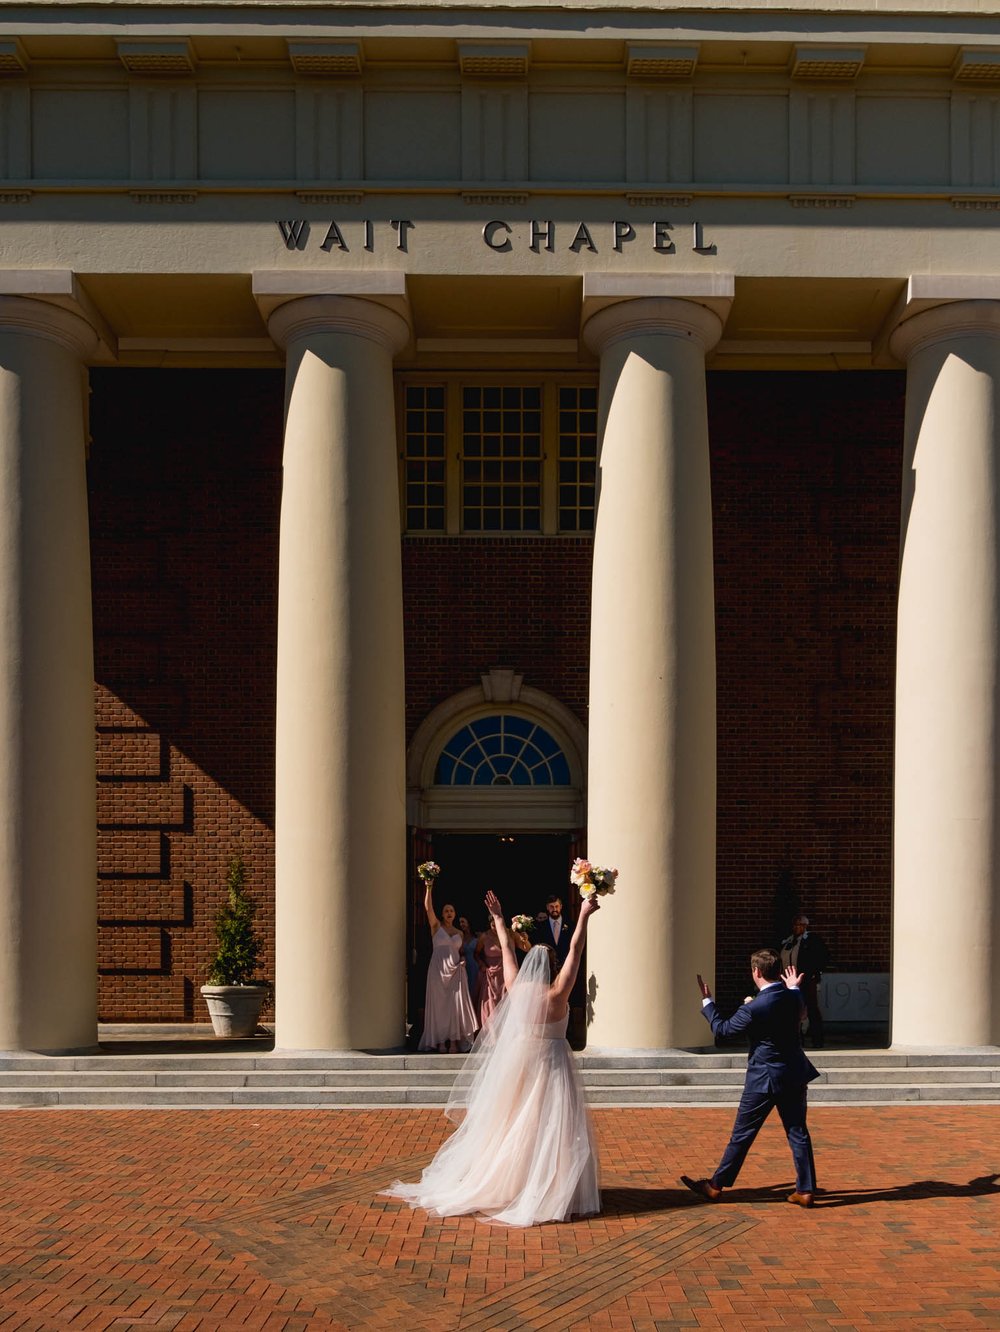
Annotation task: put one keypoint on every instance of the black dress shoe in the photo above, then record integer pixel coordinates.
(703, 1187)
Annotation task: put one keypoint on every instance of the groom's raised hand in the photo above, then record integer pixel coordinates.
(706, 993)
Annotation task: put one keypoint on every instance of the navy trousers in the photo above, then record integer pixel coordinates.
(755, 1106)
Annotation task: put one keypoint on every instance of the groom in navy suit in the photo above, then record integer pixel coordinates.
(778, 1074)
(555, 931)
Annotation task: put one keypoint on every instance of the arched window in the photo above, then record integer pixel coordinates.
(502, 750)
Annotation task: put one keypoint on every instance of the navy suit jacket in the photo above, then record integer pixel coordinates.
(772, 1022)
(565, 934)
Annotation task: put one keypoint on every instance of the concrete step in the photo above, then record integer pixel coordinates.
(378, 1079)
(155, 1077)
(825, 1060)
(389, 1097)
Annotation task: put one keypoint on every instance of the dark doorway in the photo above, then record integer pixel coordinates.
(521, 868)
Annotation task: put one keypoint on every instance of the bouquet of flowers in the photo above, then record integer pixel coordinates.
(592, 879)
(522, 924)
(428, 871)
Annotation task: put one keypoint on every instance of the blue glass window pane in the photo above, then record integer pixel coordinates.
(545, 743)
(502, 746)
(518, 726)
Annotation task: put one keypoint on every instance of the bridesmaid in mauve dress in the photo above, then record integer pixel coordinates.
(449, 1019)
(490, 989)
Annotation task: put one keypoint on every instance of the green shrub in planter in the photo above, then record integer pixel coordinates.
(233, 997)
(238, 948)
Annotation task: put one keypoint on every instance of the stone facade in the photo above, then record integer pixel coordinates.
(764, 244)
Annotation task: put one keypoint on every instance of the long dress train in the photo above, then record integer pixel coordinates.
(524, 1150)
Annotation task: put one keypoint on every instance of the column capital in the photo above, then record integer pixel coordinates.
(652, 316)
(952, 319)
(40, 319)
(313, 315)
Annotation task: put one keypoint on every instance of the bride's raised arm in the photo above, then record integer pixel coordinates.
(506, 947)
(564, 982)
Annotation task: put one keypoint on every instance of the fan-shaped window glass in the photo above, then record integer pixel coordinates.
(502, 751)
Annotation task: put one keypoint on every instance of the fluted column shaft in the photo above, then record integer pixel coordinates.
(340, 779)
(651, 796)
(946, 893)
(48, 852)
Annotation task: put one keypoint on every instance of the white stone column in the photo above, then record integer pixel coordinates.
(340, 823)
(946, 893)
(651, 796)
(48, 838)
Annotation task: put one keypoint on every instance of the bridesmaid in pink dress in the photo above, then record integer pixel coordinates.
(449, 1018)
(490, 988)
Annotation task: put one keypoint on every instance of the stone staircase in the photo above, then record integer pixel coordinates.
(205, 1073)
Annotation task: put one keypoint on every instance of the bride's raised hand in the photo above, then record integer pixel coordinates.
(589, 905)
(493, 905)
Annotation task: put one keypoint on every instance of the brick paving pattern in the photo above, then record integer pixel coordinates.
(205, 1220)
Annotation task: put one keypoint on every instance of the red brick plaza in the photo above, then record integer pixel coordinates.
(210, 1220)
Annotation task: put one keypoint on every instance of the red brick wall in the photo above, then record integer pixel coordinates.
(806, 472)
(185, 486)
(476, 602)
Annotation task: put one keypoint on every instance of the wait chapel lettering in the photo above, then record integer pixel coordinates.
(535, 235)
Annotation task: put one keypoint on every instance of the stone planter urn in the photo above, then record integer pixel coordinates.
(234, 1009)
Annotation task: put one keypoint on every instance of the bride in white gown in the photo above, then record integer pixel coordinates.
(524, 1150)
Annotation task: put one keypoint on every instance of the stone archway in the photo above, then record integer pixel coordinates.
(555, 804)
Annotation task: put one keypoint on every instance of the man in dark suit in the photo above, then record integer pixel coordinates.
(554, 930)
(806, 952)
(778, 1074)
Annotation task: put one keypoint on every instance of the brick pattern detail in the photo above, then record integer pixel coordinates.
(212, 1221)
(185, 487)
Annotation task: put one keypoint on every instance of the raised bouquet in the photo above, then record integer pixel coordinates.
(428, 871)
(522, 924)
(590, 879)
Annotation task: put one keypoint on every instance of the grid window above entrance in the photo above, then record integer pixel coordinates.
(502, 459)
(495, 456)
(577, 457)
(424, 461)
